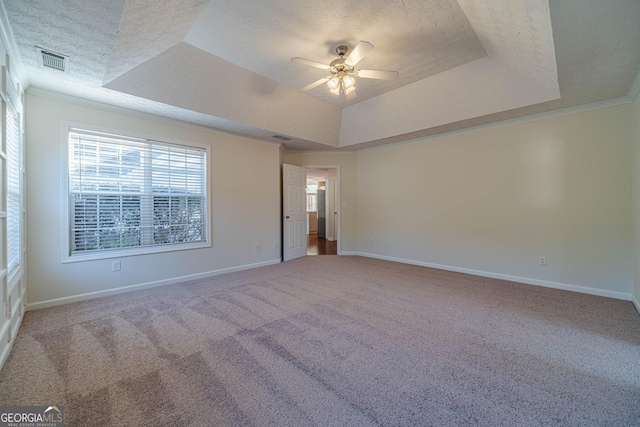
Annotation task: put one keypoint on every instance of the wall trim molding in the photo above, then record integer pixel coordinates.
(505, 123)
(108, 292)
(351, 253)
(510, 278)
(636, 303)
(628, 99)
(344, 151)
(103, 106)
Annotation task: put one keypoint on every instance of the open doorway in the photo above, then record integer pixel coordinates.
(323, 201)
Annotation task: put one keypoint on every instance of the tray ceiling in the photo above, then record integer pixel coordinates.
(226, 64)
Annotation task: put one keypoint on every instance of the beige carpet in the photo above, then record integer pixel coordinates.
(333, 341)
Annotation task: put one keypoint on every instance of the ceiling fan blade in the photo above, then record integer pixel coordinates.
(314, 84)
(358, 52)
(351, 95)
(378, 74)
(310, 63)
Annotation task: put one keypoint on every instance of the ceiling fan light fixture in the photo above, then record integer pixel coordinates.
(349, 82)
(333, 83)
(343, 73)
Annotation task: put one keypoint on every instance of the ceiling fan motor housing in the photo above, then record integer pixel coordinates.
(342, 50)
(339, 66)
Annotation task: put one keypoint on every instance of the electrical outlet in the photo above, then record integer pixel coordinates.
(116, 265)
(258, 247)
(275, 246)
(372, 242)
(542, 260)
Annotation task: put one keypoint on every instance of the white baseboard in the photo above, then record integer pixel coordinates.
(548, 284)
(130, 288)
(525, 280)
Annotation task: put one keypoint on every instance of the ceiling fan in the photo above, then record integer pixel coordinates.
(343, 73)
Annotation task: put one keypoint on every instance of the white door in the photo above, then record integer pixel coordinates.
(294, 209)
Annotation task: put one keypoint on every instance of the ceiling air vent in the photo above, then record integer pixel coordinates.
(46, 58)
(281, 137)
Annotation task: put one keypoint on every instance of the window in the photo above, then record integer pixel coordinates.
(14, 214)
(312, 195)
(312, 202)
(131, 193)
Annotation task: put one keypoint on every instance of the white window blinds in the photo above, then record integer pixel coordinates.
(13, 189)
(127, 192)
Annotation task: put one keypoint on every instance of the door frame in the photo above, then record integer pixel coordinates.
(338, 197)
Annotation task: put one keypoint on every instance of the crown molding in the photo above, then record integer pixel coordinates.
(36, 91)
(57, 96)
(349, 152)
(504, 123)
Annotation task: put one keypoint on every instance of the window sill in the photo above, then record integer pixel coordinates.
(120, 253)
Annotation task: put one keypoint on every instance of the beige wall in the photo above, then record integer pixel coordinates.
(488, 201)
(245, 182)
(636, 199)
(347, 163)
(492, 201)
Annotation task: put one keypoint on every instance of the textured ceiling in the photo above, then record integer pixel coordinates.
(85, 31)
(598, 58)
(417, 38)
(226, 64)
(146, 29)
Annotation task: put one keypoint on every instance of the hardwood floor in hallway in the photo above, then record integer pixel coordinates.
(321, 246)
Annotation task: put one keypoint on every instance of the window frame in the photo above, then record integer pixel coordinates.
(66, 256)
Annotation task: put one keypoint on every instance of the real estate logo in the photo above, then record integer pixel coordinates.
(31, 416)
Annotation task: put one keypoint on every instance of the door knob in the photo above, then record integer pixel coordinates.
(287, 217)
